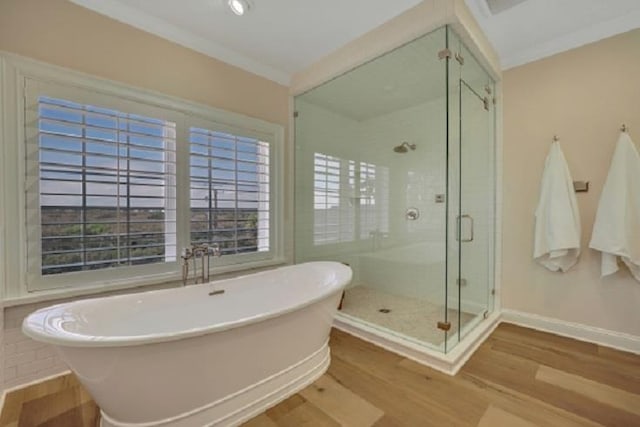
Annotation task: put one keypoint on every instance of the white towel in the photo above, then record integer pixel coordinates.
(616, 232)
(557, 234)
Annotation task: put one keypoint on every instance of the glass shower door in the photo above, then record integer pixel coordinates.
(475, 223)
(370, 188)
(471, 188)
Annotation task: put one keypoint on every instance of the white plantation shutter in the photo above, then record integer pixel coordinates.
(334, 202)
(100, 185)
(374, 199)
(231, 191)
(350, 200)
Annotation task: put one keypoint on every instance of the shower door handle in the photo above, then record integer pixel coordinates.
(459, 228)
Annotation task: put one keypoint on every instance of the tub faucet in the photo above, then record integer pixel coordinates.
(197, 251)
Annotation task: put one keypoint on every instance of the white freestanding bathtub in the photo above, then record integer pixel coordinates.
(182, 357)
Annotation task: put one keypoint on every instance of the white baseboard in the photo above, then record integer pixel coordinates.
(604, 337)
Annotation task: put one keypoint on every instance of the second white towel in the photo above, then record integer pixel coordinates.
(616, 232)
(557, 233)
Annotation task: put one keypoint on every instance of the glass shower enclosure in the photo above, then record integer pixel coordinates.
(395, 176)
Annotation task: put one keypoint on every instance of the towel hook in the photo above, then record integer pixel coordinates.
(555, 138)
(624, 128)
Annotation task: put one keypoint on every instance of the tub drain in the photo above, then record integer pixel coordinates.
(385, 310)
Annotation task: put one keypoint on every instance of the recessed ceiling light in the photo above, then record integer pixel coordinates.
(238, 7)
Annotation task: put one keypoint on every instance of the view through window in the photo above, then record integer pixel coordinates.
(107, 184)
(230, 196)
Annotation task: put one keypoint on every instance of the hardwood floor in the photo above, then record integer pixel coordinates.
(60, 402)
(517, 378)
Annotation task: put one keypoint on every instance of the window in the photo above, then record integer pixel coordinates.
(374, 199)
(230, 191)
(107, 187)
(351, 199)
(333, 201)
(111, 182)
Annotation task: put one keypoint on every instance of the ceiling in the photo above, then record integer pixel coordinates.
(406, 77)
(275, 39)
(280, 37)
(523, 31)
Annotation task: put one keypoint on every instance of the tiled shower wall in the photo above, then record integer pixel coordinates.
(414, 179)
(410, 260)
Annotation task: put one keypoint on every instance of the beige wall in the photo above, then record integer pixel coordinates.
(583, 95)
(62, 33)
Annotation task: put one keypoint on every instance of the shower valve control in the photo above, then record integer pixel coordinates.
(439, 198)
(412, 214)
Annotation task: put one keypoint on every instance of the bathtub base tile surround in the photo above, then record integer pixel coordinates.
(235, 354)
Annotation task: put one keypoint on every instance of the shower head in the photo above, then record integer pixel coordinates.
(404, 147)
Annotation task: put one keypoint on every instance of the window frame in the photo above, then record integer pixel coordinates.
(20, 281)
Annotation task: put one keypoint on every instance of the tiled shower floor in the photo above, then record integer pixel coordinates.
(414, 317)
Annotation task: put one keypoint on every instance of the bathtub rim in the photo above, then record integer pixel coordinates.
(40, 331)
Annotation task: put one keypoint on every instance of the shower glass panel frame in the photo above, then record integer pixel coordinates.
(380, 185)
(471, 172)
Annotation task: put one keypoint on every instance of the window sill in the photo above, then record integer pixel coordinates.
(139, 285)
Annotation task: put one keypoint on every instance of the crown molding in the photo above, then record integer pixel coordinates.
(116, 10)
(573, 40)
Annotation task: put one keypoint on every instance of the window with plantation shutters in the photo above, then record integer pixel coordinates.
(373, 192)
(112, 182)
(350, 200)
(334, 209)
(230, 191)
(106, 187)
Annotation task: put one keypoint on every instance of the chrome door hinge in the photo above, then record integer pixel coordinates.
(461, 282)
(444, 54)
(493, 291)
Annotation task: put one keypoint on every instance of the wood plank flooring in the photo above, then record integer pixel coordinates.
(59, 402)
(517, 378)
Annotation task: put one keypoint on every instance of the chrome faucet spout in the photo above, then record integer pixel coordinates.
(200, 251)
